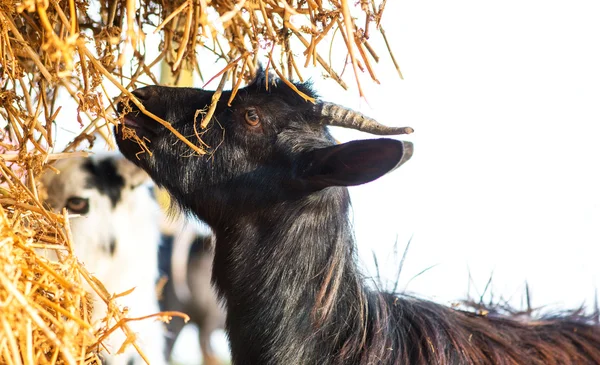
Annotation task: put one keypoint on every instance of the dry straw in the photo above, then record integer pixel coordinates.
(92, 53)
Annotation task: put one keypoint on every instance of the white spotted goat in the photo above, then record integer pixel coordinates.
(116, 237)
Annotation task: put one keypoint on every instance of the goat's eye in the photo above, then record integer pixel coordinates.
(251, 117)
(78, 205)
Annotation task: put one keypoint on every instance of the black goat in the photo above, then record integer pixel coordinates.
(274, 192)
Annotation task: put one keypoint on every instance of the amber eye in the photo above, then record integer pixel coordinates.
(252, 117)
(78, 205)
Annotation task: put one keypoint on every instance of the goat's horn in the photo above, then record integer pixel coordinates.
(337, 115)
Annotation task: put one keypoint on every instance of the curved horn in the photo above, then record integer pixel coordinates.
(337, 115)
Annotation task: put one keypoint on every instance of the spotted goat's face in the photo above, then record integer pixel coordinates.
(102, 193)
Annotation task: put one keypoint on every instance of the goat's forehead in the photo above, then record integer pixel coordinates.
(104, 176)
(72, 177)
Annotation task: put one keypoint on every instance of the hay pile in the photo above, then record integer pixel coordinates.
(45, 312)
(87, 53)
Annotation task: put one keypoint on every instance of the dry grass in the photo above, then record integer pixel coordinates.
(90, 52)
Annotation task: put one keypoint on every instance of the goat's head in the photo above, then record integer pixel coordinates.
(105, 192)
(268, 146)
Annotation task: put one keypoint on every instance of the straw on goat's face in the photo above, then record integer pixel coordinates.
(273, 123)
(247, 129)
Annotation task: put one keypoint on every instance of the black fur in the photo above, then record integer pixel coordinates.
(105, 178)
(285, 260)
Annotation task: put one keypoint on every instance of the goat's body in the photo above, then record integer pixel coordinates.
(275, 195)
(313, 263)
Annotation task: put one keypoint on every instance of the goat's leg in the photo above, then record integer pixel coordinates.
(174, 327)
(209, 357)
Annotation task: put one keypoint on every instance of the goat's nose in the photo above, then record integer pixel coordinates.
(145, 93)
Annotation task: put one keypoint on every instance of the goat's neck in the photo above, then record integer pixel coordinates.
(289, 278)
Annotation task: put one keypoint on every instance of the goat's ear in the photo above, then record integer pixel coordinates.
(354, 163)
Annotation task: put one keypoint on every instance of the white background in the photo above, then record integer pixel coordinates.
(505, 180)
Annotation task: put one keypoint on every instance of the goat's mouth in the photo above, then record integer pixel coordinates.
(135, 134)
(134, 139)
(134, 120)
(140, 123)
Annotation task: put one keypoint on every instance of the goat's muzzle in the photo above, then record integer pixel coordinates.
(133, 117)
